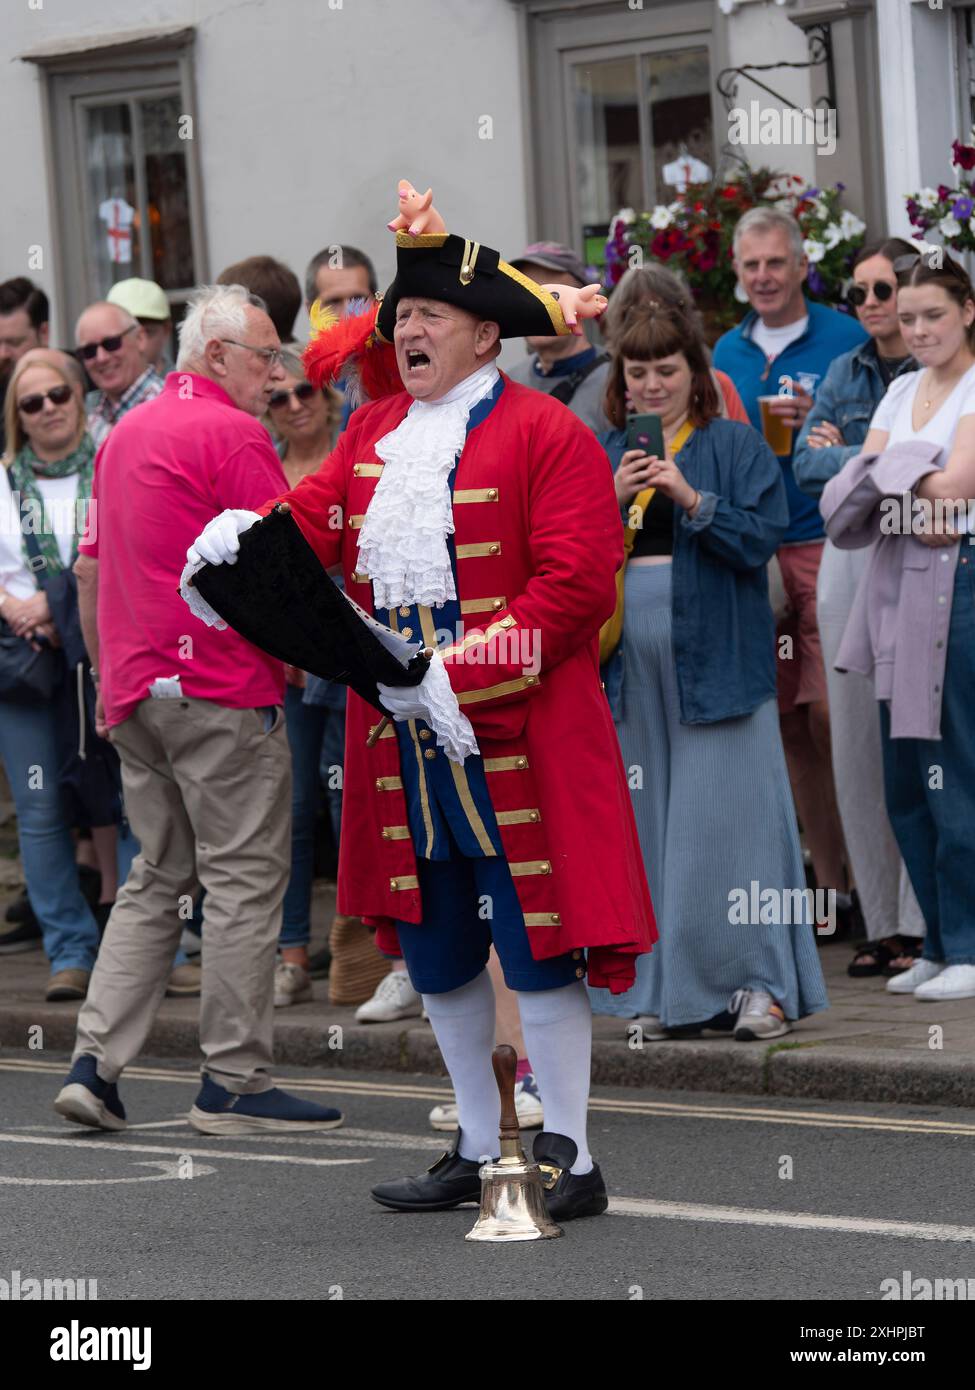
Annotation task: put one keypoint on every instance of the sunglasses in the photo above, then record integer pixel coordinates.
(111, 344)
(58, 395)
(303, 392)
(857, 294)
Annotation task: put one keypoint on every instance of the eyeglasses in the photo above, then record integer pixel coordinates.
(883, 289)
(270, 356)
(111, 344)
(302, 392)
(58, 395)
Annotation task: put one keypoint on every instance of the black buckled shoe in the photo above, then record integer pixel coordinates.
(567, 1195)
(449, 1182)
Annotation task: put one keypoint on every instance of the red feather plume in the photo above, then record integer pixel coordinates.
(348, 349)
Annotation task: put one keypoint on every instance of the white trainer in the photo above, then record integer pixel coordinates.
(528, 1107)
(919, 974)
(292, 984)
(394, 998)
(759, 1015)
(954, 982)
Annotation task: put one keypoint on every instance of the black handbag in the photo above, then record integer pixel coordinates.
(28, 675)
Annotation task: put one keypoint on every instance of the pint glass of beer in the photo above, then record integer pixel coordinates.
(778, 435)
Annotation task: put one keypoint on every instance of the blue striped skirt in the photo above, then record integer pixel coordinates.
(715, 814)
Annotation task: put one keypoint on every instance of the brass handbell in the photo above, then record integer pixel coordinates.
(512, 1197)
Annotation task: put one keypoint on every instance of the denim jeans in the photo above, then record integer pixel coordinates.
(930, 791)
(305, 728)
(31, 756)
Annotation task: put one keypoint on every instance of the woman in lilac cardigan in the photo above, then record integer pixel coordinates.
(913, 623)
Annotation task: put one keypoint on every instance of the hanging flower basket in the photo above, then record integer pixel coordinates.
(693, 236)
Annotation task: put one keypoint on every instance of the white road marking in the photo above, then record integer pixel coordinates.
(73, 1143)
(791, 1220)
(615, 1106)
(169, 1170)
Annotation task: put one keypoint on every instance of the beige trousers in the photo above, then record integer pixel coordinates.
(208, 794)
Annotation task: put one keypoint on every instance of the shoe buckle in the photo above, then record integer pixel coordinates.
(552, 1175)
(440, 1161)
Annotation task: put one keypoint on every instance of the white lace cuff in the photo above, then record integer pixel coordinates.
(434, 701)
(197, 603)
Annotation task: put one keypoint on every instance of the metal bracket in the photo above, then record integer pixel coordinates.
(820, 41)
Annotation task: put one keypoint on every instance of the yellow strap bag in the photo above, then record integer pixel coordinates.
(612, 629)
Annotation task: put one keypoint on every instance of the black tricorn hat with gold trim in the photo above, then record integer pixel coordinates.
(453, 270)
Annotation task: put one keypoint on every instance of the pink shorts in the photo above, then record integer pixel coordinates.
(799, 663)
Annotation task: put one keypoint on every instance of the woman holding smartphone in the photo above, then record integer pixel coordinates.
(692, 686)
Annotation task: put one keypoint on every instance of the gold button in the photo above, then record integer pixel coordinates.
(556, 920)
(579, 973)
(508, 621)
(355, 470)
(577, 955)
(394, 883)
(404, 612)
(372, 729)
(493, 550)
(498, 603)
(545, 867)
(533, 815)
(425, 733)
(522, 762)
(385, 833)
(379, 784)
(492, 494)
(407, 631)
(429, 752)
(531, 680)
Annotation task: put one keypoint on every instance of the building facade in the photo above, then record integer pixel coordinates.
(170, 149)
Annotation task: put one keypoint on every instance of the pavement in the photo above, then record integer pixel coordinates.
(869, 1046)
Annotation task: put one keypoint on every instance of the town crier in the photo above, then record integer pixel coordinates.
(479, 518)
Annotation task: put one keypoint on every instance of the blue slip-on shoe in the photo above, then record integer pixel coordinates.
(88, 1100)
(218, 1111)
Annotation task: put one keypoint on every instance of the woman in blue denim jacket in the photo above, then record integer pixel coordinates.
(692, 687)
(834, 432)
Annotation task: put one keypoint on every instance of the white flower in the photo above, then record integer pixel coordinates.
(815, 250)
(626, 215)
(832, 235)
(851, 226)
(971, 224)
(927, 198)
(949, 227)
(661, 217)
(820, 209)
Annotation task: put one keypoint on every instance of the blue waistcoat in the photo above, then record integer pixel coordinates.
(440, 793)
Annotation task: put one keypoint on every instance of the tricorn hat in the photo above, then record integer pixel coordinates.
(454, 270)
(278, 596)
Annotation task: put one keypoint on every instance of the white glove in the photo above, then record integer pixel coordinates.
(434, 701)
(219, 541)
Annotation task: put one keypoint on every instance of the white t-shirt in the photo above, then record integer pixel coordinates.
(60, 516)
(894, 412)
(772, 341)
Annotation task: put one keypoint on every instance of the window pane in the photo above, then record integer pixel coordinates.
(680, 118)
(113, 237)
(168, 197)
(607, 127)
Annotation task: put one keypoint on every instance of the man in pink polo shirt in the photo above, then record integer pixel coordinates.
(198, 721)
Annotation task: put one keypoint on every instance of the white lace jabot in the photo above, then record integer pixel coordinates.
(403, 541)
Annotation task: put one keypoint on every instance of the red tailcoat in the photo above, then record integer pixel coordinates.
(539, 541)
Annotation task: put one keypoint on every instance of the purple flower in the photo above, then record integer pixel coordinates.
(815, 281)
(810, 193)
(841, 188)
(962, 208)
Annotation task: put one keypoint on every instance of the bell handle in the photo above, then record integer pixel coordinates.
(505, 1061)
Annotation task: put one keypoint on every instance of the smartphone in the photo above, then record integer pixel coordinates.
(645, 432)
